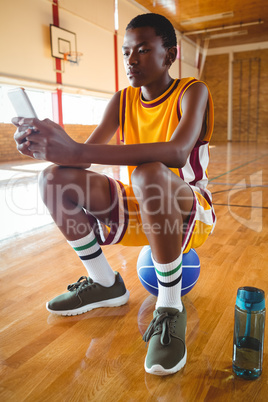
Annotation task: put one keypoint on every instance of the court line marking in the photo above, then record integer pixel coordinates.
(236, 168)
(239, 185)
(240, 206)
(241, 188)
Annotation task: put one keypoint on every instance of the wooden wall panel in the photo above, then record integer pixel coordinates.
(250, 102)
(215, 74)
(245, 99)
(250, 96)
(8, 150)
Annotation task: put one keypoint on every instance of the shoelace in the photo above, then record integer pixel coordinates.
(80, 285)
(165, 322)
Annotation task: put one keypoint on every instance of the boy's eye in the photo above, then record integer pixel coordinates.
(126, 53)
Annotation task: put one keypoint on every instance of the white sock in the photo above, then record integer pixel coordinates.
(91, 255)
(169, 284)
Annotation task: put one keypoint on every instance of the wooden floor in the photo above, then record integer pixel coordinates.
(99, 356)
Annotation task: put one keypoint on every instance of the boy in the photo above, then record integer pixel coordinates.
(166, 126)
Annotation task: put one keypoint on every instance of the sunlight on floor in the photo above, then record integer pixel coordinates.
(21, 207)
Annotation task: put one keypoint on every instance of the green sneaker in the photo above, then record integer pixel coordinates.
(85, 295)
(167, 351)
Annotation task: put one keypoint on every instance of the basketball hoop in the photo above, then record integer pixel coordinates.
(73, 57)
(64, 47)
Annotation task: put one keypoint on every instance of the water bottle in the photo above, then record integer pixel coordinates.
(249, 332)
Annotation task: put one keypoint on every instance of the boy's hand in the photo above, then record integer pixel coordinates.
(46, 140)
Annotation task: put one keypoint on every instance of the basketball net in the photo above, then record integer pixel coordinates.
(73, 57)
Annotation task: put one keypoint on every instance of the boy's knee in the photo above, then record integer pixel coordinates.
(148, 179)
(48, 175)
(55, 175)
(148, 173)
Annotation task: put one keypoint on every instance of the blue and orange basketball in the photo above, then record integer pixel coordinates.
(147, 275)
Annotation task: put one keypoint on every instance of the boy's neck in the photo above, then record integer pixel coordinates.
(152, 92)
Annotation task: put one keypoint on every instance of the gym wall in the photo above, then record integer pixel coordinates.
(25, 25)
(27, 60)
(250, 94)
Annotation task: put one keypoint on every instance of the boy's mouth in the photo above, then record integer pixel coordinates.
(132, 72)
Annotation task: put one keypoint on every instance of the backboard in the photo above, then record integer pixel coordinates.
(62, 42)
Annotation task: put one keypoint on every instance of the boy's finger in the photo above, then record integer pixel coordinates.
(20, 135)
(17, 121)
(29, 122)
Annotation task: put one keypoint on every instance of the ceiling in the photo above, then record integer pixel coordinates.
(239, 13)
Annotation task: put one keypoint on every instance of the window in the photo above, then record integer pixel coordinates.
(86, 110)
(41, 101)
(82, 109)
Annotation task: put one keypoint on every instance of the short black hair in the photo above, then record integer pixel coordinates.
(161, 25)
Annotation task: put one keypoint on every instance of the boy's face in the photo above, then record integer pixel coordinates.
(145, 58)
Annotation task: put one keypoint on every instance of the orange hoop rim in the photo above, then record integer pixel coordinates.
(72, 54)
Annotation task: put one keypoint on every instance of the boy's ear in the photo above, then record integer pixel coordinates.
(171, 55)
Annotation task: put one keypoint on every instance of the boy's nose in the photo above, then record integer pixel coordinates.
(133, 59)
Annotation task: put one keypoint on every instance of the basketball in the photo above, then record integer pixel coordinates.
(147, 275)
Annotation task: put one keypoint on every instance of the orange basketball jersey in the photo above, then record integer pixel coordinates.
(155, 121)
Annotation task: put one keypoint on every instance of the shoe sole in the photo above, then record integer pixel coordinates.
(116, 302)
(157, 369)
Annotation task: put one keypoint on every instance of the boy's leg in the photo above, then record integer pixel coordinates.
(66, 193)
(165, 203)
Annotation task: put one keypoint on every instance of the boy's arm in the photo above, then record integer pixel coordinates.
(109, 123)
(48, 141)
(52, 143)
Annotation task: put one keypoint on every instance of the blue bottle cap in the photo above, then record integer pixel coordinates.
(250, 299)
